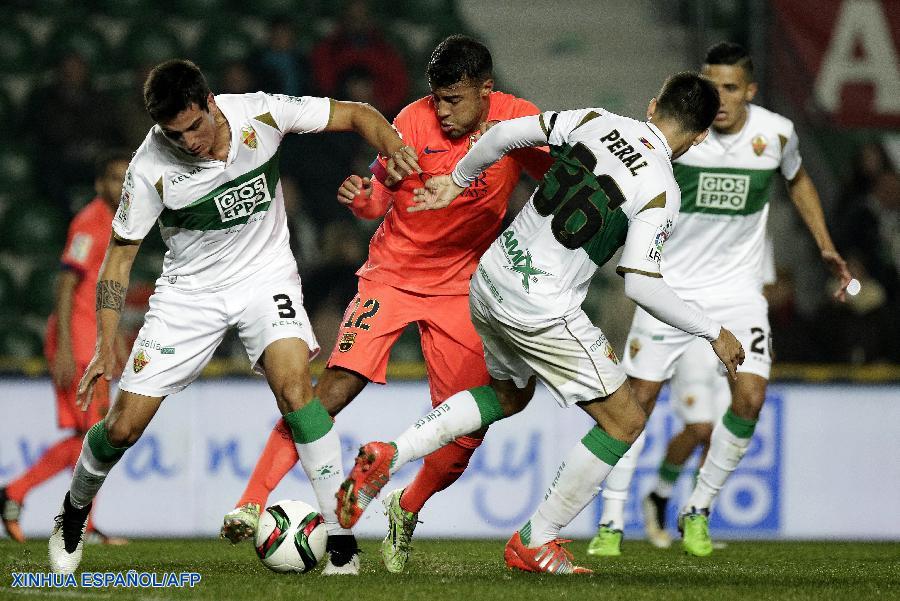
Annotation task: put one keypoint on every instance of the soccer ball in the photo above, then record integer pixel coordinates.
(290, 537)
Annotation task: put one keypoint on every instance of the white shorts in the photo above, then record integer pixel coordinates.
(654, 347)
(699, 389)
(183, 328)
(570, 355)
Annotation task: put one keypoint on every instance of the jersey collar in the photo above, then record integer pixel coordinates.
(659, 135)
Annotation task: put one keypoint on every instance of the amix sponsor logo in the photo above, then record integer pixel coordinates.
(520, 261)
(726, 191)
(240, 201)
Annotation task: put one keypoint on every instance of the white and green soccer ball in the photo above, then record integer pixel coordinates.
(290, 537)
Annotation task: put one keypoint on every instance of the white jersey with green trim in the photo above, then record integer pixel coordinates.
(612, 180)
(221, 220)
(718, 251)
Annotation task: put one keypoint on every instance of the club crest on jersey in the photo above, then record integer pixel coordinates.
(140, 362)
(346, 342)
(248, 137)
(521, 262)
(241, 200)
(759, 144)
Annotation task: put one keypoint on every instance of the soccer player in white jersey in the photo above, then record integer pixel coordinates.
(715, 262)
(208, 173)
(611, 184)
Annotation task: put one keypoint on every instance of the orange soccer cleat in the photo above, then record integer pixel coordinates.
(368, 476)
(549, 558)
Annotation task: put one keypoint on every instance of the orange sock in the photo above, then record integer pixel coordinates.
(441, 469)
(277, 459)
(60, 456)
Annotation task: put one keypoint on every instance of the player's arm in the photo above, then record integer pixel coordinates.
(644, 285)
(112, 284)
(375, 129)
(805, 197)
(505, 136)
(62, 368)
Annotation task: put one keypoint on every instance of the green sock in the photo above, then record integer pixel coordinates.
(309, 423)
(488, 405)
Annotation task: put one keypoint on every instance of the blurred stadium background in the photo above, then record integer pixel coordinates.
(70, 79)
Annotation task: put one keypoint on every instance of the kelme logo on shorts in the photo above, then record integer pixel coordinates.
(723, 191)
(240, 201)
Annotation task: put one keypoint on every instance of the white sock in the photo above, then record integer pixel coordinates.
(576, 484)
(457, 416)
(663, 488)
(725, 452)
(615, 488)
(321, 460)
(89, 474)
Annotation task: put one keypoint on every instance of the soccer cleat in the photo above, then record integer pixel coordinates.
(654, 507)
(67, 539)
(694, 528)
(240, 523)
(368, 476)
(607, 542)
(549, 558)
(396, 546)
(9, 515)
(343, 556)
(95, 537)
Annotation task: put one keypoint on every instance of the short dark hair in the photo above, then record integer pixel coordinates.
(459, 57)
(690, 100)
(107, 157)
(173, 86)
(729, 53)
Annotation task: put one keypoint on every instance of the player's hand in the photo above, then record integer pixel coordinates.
(838, 268)
(401, 163)
(439, 191)
(103, 364)
(729, 351)
(352, 187)
(62, 368)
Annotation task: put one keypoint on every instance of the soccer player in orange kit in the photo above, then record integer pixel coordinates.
(418, 271)
(71, 334)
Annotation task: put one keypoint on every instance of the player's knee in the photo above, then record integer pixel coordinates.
(700, 433)
(293, 395)
(633, 424)
(121, 432)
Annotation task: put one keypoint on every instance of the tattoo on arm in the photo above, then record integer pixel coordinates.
(110, 295)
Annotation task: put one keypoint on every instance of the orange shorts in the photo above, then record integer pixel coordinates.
(375, 319)
(69, 416)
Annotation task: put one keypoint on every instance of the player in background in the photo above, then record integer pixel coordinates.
(611, 184)
(417, 271)
(699, 395)
(715, 262)
(71, 334)
(208, 173)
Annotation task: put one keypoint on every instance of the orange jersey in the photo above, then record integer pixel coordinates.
(435, 252)
(86, 245)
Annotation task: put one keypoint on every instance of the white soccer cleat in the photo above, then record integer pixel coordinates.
(654, 509)
(67, 540)
(343, 556)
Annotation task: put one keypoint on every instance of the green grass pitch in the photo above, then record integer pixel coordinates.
(474, 571)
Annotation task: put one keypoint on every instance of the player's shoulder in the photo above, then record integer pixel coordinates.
(416, 119)
(93, 213)
(416, 110)
(508, 106)
(763, 118)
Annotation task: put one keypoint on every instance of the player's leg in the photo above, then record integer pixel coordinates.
(732, 434)
(652, 350)
(350, 368)
(103, 447)
(511, 387)
(536, 546)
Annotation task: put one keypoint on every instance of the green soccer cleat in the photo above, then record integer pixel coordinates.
(607, 542)
(240, 523)
(396, 546)
(694, 528)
